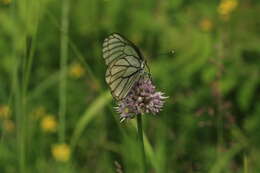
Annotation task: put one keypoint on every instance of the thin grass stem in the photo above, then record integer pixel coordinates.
(245, 164)
(63, 69)
(141, 141)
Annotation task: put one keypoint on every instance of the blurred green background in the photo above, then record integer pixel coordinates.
(57, 115)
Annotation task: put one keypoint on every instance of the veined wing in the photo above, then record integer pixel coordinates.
(125, 64)
(116, 46)
(122, 75)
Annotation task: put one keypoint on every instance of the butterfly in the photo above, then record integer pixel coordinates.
(125, 65)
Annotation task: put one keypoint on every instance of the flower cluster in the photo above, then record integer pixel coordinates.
(141, 99)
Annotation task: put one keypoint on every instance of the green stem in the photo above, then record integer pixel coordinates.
(63, 68)
(141, 141)
(245, 164)
(220, 112)
(18, 55)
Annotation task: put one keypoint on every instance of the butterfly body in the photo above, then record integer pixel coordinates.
(125, 64)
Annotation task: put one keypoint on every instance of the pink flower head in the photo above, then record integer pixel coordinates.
(141, 99)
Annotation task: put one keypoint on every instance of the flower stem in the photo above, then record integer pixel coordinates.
(64, 55)
(141, 141)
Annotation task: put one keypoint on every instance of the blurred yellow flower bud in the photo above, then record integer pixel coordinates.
(76, 70)
(49, 123)
(8, 125)
(61, 152)
(6, 2)
(226, 7)
(206, 25)
(39, 112)
(5, 111)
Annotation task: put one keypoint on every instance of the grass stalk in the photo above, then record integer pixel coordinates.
(18, 109)
(141, 141)
(219, 100)
(75, 50)
(63, 68)
(19, 56)
(245, 164)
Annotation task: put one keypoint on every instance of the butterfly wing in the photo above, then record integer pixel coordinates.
(124, 62)
(121, 76)
(116, 46)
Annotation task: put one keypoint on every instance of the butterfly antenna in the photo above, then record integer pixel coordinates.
(170, 53)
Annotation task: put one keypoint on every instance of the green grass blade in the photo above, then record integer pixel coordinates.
(89, 115)
(63, 67)
(148, 149)
(225, 159)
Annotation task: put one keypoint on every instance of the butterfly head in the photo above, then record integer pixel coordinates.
(143, 64)
(145, 70)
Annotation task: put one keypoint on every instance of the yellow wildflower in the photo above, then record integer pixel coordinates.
(49, 123)
(39, 112)
(226, 7)
(76, 70)
(6, 2)
(61, 152)
(8, 125)
(5, 111)
(206, 25)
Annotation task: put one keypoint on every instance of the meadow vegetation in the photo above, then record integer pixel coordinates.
(57, 114)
